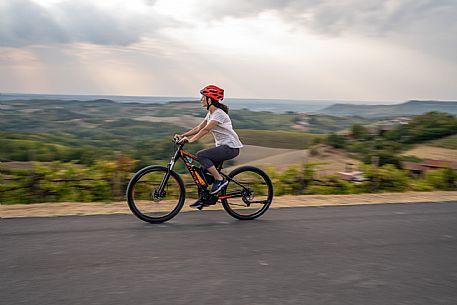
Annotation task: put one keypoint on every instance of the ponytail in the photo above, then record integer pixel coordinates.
(218, 104)
(224, 107)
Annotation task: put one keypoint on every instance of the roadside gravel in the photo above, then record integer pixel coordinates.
(97, 208)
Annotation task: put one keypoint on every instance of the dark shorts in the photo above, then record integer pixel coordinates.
(212, 156)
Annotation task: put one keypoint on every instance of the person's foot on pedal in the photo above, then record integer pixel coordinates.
(218, 185)
(197, 204)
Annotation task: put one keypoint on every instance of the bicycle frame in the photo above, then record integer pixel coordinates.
(198, 180)
(185, 156)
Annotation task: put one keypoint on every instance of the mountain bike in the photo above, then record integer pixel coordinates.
(157, 193)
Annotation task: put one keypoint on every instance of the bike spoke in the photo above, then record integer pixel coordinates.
(232, 195)
(260, 201)
(240, 205)
(248, 194)
(156, 195)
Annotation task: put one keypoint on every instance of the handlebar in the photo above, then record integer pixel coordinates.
(176, 142)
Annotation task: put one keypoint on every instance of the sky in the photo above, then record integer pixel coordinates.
(359, 50)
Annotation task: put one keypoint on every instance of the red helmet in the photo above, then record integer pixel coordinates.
(213, 92)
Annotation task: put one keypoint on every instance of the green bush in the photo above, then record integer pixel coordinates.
(336, 141)
(420, 185)
(291, 181)
(387, 178)
(56, 182)
(442, 179)
(107, 181)
(330, 185)
(383, 158)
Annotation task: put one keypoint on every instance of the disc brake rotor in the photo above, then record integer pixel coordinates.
(156, 196)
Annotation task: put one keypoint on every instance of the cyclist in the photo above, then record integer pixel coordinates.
(219, 124)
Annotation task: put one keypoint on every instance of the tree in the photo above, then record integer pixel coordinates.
(336, 141)
(429, 126)
(359, 132)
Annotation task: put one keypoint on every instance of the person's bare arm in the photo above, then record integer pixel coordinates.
(210, 125)
(193, 131)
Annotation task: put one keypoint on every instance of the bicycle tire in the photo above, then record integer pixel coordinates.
(134, 205)
(269, 197)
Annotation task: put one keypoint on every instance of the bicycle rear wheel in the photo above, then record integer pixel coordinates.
(248, 194)
(145, 199)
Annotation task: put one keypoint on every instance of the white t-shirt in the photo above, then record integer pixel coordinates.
(223, 132)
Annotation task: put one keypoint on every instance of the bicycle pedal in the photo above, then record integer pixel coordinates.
(208, 204)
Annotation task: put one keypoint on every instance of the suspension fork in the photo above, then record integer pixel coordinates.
(169, 169)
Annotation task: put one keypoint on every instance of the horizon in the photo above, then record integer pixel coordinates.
(190, 98)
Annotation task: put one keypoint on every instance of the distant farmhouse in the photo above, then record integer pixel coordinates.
(381, 127)
(427, 165)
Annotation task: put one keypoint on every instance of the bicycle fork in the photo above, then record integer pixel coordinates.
(161, 190)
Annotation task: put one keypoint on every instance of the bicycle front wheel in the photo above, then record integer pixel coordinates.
(248, 194)
(151, 203)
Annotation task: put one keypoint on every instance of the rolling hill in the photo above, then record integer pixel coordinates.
(327, 161)
(384, 111)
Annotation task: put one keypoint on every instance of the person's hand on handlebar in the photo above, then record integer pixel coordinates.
(184, 140)
(179, 138)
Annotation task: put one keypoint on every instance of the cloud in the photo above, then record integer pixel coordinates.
(150, 2)
(24, 23)
(370, 49)
(335, 17)
(426, 24)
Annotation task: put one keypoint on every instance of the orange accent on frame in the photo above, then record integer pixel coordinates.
(197, 178)
(185, 153)
(200, 179)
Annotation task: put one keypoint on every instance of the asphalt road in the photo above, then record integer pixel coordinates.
(378, 254)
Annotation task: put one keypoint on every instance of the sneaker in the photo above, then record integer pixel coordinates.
(218, 185)
(197, 204)
(212, 200)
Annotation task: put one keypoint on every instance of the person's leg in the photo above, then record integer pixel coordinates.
(213, 171)
(208, 157)
(217, 154)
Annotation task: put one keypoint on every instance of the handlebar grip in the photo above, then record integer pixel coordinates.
(176, 141)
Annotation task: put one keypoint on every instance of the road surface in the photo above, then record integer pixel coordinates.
(375, 254)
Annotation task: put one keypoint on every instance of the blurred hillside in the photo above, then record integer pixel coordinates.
(53, 150)
(388, 111)
(86, 131)
(272, 105)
